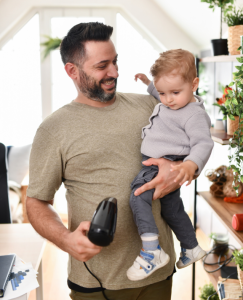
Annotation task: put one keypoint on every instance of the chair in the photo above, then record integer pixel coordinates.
(5, 213)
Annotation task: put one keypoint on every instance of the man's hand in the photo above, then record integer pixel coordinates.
(186, 170)
(164, 183)
(143, 78)
(48, 224)
(79, 246)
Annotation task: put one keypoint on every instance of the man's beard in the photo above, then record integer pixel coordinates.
(93, 90)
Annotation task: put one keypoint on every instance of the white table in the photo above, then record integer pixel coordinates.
(23, 240)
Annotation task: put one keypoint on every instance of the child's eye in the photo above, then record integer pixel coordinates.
(176, 93)
(161, 94)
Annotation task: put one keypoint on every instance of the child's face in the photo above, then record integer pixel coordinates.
(174, 91)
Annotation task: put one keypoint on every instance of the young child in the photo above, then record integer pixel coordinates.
(179, 129)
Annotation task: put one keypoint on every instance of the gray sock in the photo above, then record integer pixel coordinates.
(150, 241)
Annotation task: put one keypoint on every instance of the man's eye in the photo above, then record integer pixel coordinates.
(102, 67)
(115, 62)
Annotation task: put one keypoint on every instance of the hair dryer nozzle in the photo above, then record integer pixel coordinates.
(103, 224)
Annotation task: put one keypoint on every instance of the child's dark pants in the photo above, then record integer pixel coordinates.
(172, 208)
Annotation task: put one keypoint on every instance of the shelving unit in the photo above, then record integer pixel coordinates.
(220, 58)
(220, 136)
(225, 212)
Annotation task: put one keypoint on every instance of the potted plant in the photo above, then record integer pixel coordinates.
(238, 259)
(234, 110)
(234, 20)
(208, 290)
(220, 45)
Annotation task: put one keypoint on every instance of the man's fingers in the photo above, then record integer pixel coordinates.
(146, 187)
(150, 162)
(84, 226)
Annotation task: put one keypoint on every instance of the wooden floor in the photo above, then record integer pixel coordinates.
(55, 274)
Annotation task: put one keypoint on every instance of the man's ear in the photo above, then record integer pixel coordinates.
(72, 70)
(195, 84)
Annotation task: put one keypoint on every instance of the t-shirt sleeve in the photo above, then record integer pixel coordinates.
(201, 143)
(46, 167)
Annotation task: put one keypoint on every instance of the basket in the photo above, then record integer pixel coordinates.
(232, 125)
(240, 276)
(234, 41)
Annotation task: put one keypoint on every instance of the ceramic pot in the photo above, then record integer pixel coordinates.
(219, 47)
(232, 126)
(234, 40)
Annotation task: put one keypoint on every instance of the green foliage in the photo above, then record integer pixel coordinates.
(224, 4)
(234, 17)
(238, 258)
(206, 291)
(234, 107)
(49, 45)
(221, 87)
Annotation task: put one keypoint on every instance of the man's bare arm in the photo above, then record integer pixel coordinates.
(48, 224)
(164, 183)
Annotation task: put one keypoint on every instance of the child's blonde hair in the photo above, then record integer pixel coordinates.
(180, 60)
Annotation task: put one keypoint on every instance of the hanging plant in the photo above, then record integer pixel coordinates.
(49, 45)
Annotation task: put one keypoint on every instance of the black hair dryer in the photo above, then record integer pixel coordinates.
(103, 224)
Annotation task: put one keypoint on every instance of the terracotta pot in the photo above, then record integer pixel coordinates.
(232, 126)
(234, 41)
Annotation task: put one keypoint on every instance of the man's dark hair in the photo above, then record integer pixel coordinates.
(72, 47)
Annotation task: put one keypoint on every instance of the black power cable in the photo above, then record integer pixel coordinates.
(96, 279)
(222, 249)
(220, 263)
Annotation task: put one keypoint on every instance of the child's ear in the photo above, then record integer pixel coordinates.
(195, 84)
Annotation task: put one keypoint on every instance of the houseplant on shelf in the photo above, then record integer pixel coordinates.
(220, 45)
(234, 20)
(208, 290)
(234, 110)
(238, 259)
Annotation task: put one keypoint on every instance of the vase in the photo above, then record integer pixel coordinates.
(232, 126)
(220, 47)
(234, 40)
(240, 276)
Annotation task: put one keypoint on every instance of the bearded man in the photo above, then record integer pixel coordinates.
(93, 145)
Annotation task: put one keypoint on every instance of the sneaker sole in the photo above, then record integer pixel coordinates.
(200, 255)
(130, 277)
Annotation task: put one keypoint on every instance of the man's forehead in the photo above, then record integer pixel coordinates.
(97, 52)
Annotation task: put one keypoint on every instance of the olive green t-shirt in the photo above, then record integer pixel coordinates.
(96, 153)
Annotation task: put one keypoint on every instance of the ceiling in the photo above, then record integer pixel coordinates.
(199, 22)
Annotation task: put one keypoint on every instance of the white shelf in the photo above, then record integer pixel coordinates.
(220, 58)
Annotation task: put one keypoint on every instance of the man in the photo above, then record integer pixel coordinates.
(93, 146)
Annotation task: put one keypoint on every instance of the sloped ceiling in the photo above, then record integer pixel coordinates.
(199, 22)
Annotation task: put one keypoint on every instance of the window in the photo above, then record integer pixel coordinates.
(20, 86)
(135, 55)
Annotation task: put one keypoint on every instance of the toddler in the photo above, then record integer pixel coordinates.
(178, 129)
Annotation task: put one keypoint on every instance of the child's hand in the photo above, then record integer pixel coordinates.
(186, 171)
(143, 78)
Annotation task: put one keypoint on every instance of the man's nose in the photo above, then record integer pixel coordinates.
(113, 71)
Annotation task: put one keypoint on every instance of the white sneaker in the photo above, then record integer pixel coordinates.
(189, 256)
(147, 263)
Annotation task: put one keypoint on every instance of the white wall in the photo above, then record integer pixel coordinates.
(146, 13)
